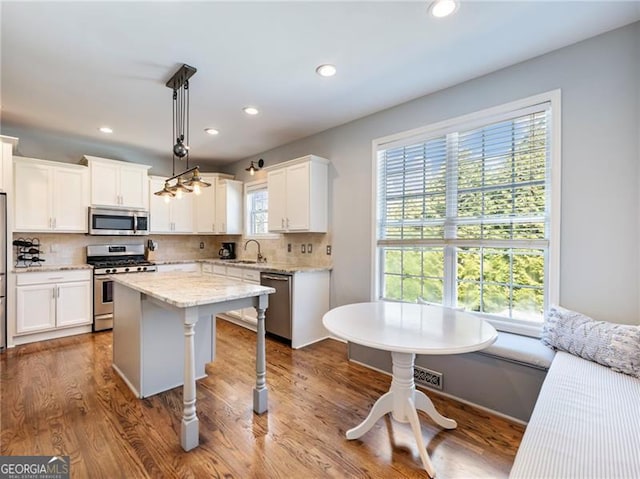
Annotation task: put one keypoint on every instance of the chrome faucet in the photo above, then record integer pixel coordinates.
(261, 259)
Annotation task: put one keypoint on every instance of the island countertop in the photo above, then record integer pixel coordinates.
(187, 289)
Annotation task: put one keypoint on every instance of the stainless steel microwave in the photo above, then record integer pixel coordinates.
(112, 221)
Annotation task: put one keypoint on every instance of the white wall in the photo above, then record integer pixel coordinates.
(600, 83)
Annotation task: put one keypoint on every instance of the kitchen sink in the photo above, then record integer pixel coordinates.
(241, 261)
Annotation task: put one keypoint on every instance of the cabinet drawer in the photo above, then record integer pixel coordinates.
(53, 277)
(218, 269)
(186, 267)
(234, 272)
(251, 275)
(207, 268)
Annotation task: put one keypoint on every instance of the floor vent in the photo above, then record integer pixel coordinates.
(427, 377)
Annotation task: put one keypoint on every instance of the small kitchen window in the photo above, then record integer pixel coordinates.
(257, 209)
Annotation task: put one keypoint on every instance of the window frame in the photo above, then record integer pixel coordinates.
(465, 122)
(250, 187)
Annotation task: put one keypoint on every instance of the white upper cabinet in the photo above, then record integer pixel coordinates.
(118, 183)
(174, 217)
(7, 145)
(298, 195)
(205, 206)
(218, 209)
(50, 196)
(229, 207)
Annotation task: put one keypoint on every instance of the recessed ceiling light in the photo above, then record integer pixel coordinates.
(211, 131)
(326, 70)
(249, 110)
(105, 129)
(443, 8)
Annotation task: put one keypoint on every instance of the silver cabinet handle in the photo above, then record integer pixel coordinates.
(287, 223)
(282, 223)
(55, 223)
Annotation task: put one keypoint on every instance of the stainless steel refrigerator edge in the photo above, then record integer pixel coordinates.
(3, 271)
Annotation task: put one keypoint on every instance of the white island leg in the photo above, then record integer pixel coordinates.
(260, 400)
(190, 424)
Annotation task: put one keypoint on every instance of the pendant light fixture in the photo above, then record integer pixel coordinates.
(253, 168)
(179, 83)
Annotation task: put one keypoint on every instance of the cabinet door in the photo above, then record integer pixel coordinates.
(182, 214)
(70, 201)
(32, 197)
(159, 210)
(104, 184)
(205, 207)
(221, 207)
(297, 197)
(134, 187)
(35, 308)
(73, 306)
(276, 186)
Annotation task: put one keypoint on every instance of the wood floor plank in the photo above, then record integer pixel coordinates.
(62, 397)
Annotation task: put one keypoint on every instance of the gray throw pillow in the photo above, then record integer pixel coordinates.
(614, 345)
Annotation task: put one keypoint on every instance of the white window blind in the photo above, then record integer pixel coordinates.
(463, 215)
(257, 209)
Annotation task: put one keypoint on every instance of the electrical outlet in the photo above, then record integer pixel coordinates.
(309, 248)
(328, 249)
(201, 244)
(288, 247)
(302, 248)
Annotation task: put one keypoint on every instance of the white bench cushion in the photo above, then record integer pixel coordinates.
(521, 349)
(586, 424)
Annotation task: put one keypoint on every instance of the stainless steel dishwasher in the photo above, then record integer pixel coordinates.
(278, 315)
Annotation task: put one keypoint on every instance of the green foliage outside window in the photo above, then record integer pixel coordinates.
(494, 191)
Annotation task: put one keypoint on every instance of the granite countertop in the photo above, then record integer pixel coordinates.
(269, 266)
(51, 267)
(183, 289)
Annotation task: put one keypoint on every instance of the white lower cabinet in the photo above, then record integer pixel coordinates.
(246, 317)
(52, 301)
(309, 301)
(188, 267)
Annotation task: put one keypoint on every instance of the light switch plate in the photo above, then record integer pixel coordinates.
(288, 247)
(302, 248)
(309, 248)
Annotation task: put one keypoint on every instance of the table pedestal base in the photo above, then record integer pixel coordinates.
(403, 402)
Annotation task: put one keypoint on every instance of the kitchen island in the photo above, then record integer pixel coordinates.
(164, 334)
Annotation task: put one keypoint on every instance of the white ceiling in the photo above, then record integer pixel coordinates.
(71, 67)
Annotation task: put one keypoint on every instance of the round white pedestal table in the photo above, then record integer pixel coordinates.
(407, 329)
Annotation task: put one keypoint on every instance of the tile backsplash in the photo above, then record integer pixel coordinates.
(62, 249)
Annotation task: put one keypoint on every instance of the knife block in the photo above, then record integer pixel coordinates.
(149, 255)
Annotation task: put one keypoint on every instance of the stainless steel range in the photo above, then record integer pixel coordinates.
(111, 259)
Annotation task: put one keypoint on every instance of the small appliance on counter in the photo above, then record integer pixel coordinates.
(228, 251)
(150, 250)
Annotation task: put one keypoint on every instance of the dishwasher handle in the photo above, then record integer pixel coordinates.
(275, 278)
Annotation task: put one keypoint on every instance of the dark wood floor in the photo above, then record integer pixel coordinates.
(62, 397)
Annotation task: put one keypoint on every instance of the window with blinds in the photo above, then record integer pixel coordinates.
(463, 216)
(257, 209)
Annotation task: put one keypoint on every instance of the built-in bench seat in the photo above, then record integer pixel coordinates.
(521, 349)
(585, 424)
